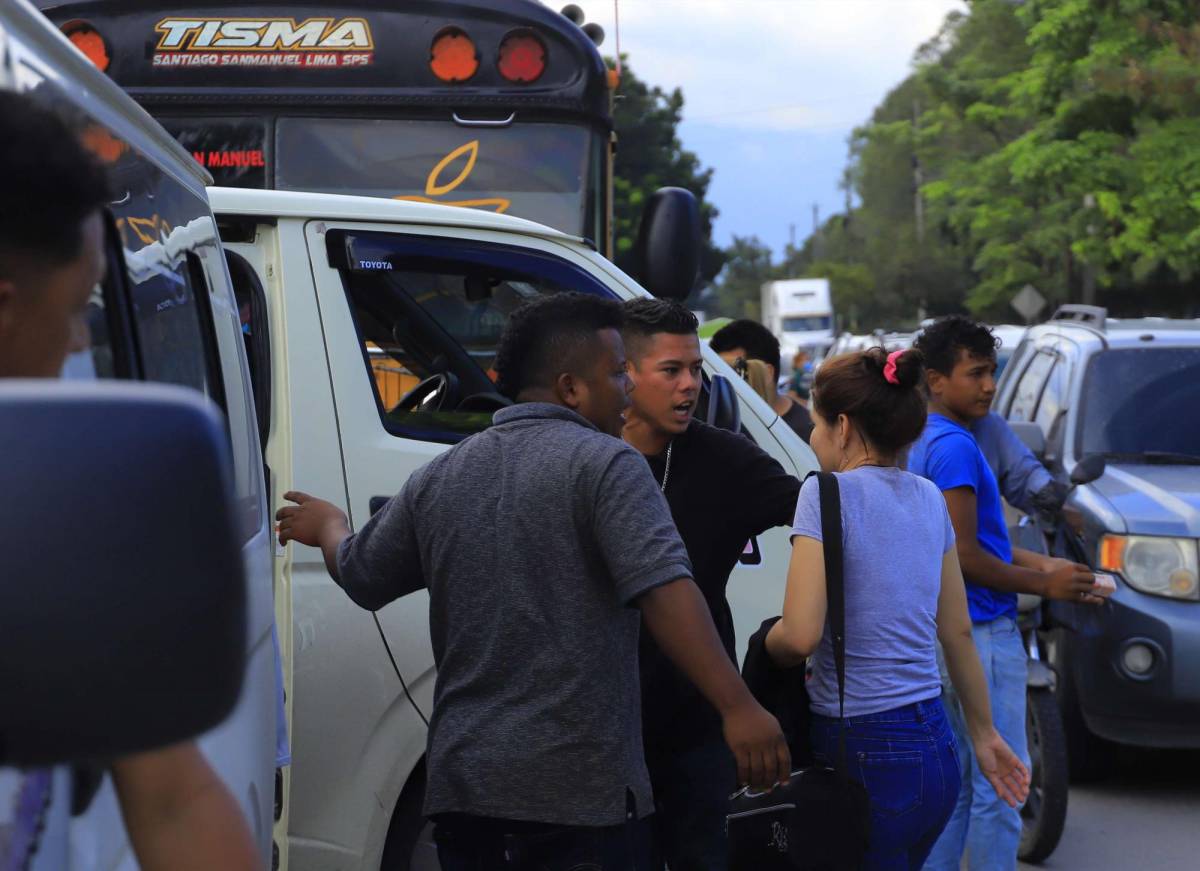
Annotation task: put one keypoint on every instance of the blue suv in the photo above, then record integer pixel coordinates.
(1126, 392)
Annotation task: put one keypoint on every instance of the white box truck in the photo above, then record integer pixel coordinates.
(799, 311)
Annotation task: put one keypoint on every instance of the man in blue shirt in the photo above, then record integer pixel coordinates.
(960, 356)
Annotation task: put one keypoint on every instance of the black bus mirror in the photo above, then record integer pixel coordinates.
(1088, 469)
(721, 407)
(668, 244)
(122, 590)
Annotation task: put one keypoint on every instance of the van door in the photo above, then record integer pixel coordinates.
(412, 322)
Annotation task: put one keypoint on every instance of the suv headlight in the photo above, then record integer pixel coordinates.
(1154, 564)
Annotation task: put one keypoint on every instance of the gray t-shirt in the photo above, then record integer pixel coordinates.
(533, 538)
(895, 532)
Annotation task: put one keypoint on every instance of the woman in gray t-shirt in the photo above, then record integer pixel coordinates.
(904, 593)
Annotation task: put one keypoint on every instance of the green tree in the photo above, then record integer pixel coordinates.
(650, 155)
(738, 291)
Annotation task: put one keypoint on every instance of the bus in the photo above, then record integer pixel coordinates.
(502, 105)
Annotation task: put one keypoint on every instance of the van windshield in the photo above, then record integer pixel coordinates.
(1141, 404)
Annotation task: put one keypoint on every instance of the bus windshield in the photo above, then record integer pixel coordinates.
(534, 171)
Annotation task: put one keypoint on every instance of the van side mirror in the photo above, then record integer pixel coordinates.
(668, 244)
(122, 590)
(1031, 436)
(1088, 469)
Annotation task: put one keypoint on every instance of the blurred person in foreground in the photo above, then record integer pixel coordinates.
(903, 593)
(960, 359)
(177, 811)
(540, 539)
(750, 340)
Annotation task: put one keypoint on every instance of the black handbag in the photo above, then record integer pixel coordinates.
(820, 820)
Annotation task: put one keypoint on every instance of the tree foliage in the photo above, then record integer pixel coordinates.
(1051, 142)
(650, 155)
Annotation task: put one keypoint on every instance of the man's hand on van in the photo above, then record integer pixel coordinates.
(311, 521)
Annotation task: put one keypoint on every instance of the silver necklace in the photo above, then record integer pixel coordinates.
(667, 470)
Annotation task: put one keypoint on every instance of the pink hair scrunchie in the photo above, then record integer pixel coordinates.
(889, 368)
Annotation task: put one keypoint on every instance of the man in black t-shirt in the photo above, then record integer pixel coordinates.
(750, 340)
(722, 490)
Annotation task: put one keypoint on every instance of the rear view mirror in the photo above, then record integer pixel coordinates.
(1032, 436)
(722, 409)
(1088, 469)
(122, 594)
(668, 244)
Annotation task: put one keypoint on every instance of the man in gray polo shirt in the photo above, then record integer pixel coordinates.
(535, 538)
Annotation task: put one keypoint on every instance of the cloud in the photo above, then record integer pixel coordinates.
(773, 65)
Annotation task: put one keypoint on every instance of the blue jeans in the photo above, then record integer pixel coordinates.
(983, 825)
(908, 762)
(692, 786)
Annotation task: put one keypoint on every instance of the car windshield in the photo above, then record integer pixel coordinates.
(535, 171)
(1142, 404)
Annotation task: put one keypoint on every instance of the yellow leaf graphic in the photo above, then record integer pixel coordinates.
(471, 151)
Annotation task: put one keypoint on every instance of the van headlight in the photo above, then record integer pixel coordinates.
(1154, 564)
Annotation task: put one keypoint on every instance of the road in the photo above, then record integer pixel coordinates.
(1144, 815)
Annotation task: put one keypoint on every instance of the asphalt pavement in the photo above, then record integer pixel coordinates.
(1143, 815)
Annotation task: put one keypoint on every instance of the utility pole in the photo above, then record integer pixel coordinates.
(816, 212)
(918, 177)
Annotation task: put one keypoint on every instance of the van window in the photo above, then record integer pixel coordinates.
(172, 342)
(1029, 388)
(430, 323)
(1054, 398)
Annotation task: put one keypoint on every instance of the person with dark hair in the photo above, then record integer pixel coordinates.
(903, 593)
(539, 540)
(960, 356)
(176, 810)
(749, 340)
(722, 490)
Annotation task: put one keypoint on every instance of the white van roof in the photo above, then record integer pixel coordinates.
(296, 204)
(32, 50)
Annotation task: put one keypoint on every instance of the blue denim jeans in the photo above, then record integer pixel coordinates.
(908, 762)
(692, 785)
(983, 825)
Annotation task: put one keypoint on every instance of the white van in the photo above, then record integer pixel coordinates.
(165, 312)
(373, 325)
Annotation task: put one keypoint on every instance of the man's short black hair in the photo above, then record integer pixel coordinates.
(645, 317)
(51, 184)
(941, 341)
(549, 336)
(757, 341)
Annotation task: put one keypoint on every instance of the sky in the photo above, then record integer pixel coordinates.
(772, 90)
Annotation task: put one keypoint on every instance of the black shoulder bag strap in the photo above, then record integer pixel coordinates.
(835, 590)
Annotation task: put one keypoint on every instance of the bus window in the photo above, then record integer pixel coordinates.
(534, 171)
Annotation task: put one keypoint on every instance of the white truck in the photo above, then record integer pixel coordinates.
(799, 311)
(372, 326)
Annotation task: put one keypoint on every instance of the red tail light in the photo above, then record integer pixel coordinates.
(452, 56)
(89, 41)
(522, 57)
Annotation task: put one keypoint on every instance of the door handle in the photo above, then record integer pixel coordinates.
(484, 122)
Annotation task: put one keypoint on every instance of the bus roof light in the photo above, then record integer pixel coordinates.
(522, 57)
(89, 41)
(452, 56)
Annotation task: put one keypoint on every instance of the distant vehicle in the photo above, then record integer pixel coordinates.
(799, 311)
(1120, 400)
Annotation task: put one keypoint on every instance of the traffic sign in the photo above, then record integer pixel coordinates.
(1028, 303)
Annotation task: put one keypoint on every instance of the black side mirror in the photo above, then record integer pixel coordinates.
(722, 409)
(122, 592)
(1088, 470)
(668, 244)
(1032, 436)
